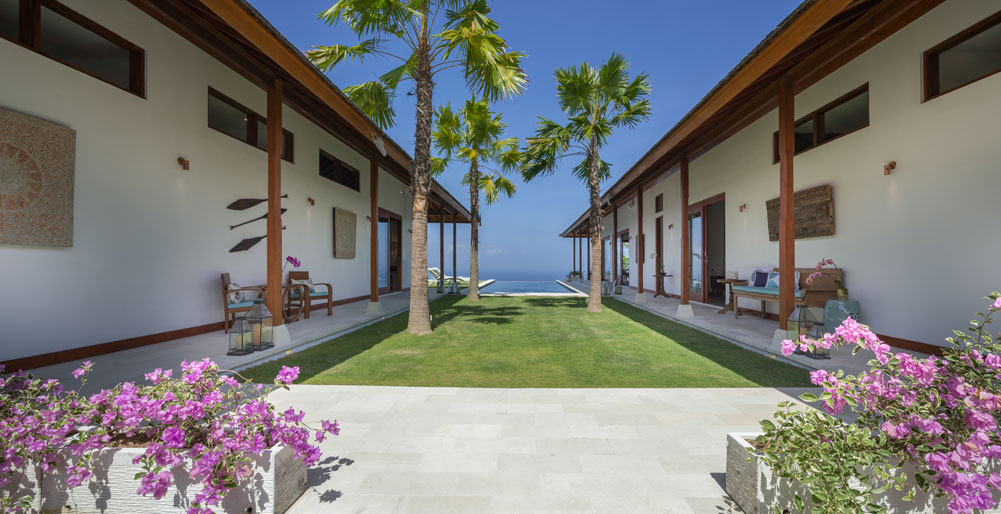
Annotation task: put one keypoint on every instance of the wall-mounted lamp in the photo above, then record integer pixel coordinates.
(742, 207)
(311, 201)
(889, 167)
(185, 165)
(669, 227)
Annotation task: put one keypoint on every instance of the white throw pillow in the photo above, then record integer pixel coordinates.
(235, 296)
(306, 282)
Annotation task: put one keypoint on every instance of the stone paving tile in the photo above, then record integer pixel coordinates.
(524, 451)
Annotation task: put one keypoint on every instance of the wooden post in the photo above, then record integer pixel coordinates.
(587, 241)
(580, 256)
(274, 250)
(373, 181)
(573, 249)
(441, 242)
(787, 220)
(615, 242)
(455, 269)
(686, 243)
(640, 247)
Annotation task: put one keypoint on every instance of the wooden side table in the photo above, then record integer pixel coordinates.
(660, 284)
(728, 290)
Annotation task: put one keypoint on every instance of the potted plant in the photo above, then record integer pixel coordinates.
(135, 444)
(925, 439)
(842, 291)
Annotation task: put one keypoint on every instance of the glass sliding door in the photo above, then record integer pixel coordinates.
(695, 268)
(383, 257)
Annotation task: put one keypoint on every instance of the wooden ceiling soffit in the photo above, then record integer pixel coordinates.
(250, 28)
(809, 22)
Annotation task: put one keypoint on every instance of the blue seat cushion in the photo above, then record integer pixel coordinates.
(314, 294)
(241, 305)
(771, 291)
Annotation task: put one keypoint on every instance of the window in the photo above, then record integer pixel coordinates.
(231, 118)
(842, 116)
(332, 168)
(57, 32)
(658, 203)
(964, 58)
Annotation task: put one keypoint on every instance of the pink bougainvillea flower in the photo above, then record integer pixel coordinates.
(287, 375)
(997, 303)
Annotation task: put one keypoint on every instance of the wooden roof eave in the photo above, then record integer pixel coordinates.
(859, 25)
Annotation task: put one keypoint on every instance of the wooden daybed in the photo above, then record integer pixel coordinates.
(816, 294)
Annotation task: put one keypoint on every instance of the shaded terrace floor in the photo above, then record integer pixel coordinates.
(132, 364)
(748, 331)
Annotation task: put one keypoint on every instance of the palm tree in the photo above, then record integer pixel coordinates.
(473, 135)
(436, 35)
(595, 101)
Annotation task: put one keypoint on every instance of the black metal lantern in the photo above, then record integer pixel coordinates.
(803, 322)
(240, 337)
(261, 325)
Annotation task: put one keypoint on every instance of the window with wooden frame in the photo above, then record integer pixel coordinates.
(658, 203)
(231, 118)
(963, 59)
(838, 118)
(64, 35)
(332, 168)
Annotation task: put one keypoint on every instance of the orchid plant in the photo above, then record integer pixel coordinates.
(206, 422)
(817, 274)
(940, 414)
(291, 260)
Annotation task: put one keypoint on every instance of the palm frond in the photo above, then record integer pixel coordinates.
(493, 185)
(326, 57)
(583, 170)
(438, 165)
(539, 157)
(374, 99)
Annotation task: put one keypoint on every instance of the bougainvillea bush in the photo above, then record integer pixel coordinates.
(937, 415)
(206, 422)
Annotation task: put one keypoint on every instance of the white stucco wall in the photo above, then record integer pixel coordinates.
(150, 240)
(918, 247)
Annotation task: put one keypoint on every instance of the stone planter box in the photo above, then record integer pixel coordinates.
(278, 482)
(751, 484)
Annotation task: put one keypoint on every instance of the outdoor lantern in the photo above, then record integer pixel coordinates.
(240, 337)
(803, 322)
(261, 324)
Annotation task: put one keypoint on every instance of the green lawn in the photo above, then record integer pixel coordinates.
(534, 342)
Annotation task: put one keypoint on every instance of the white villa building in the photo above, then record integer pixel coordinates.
(127, 128)
(894, 106)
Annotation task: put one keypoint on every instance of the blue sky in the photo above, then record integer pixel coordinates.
(685, 47)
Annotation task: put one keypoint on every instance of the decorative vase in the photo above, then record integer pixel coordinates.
(842, 293)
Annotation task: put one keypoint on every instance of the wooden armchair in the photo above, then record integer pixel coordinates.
(328, 295)
(230, 309)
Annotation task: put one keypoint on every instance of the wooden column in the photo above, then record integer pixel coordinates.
(686, 242)
(441, 242)
(615, 242)
(587, 242)
(373, 180)
(455, 269)
(274, 250)
(640, 247)
(573, 249)
(787, 220)
(580, 256)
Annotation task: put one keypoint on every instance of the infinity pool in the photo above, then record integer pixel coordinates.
(526, 286)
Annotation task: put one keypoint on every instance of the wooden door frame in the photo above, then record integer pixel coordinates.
(701, 208)
(390, 215)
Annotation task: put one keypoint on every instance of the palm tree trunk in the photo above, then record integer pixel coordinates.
(474, 231)
(419, 322)
(594, 229)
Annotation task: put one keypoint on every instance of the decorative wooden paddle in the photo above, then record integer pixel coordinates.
(245, 203)
(248, 243)
(231, 227)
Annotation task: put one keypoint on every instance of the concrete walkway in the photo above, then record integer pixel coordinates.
(406, 450)
(748, 331)
(133, 364)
